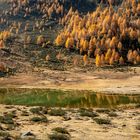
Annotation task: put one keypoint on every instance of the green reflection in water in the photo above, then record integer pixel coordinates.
(59, 98)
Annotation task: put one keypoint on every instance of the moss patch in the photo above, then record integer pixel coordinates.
(7, 119)
(36, 110)
(102, 121)
(39, 119)
(112, 114)
(88, 113)
(103, 110)
(57, 112)
(58, 136)
(4, 134)
(60, 130)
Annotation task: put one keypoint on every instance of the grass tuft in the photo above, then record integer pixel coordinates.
(39, 119)
(58, 136)
(7, 119)
(88, 113)
(36, 110)
(112, 114)
(60, 130)
(103, 110)
(102, 121)
(57, 112)
(4, 134)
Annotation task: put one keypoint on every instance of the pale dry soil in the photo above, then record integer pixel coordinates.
(122, 127)
(121, 80)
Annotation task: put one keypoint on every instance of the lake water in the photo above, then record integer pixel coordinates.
(59, 98)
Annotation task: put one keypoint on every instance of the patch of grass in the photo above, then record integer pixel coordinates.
(61, 130)
(1, 118)
(36, 110)
(7, 119)
(88, 113)
(102, 121)
(59, 136)
(39, 119)
(11, 114)
(57, 112)
(112, 114)
(4, 134)
(103, 110)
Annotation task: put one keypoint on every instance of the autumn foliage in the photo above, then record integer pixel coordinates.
(4, 35)
(110, 34)
(46, 8)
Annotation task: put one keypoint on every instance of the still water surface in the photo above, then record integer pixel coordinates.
(59, 98)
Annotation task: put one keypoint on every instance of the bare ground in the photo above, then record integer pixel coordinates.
(125, 81)
(123, 126)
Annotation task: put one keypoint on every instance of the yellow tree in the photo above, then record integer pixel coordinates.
(111, 61)
(60, 40)
(98, 60)
(102, 59)
(1, 44)
(130, 56)
(85, 59)
(85, 45)
(69, 42)
(138, 59)
(108, 55)
(121, 61)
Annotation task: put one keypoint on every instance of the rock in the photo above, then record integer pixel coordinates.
(124, 125)
(66, 118)
(27, 135)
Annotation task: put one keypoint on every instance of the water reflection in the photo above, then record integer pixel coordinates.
(58, 98)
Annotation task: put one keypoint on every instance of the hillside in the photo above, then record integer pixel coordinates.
(30, 55)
